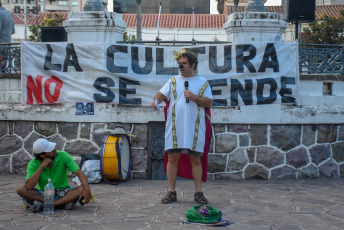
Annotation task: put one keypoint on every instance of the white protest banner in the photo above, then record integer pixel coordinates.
(239, 74)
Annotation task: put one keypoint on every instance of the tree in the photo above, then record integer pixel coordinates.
(49, 20)
(220, 6)
(129, 37)
(327, 30)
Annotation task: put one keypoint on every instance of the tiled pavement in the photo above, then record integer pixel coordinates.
(135, 204)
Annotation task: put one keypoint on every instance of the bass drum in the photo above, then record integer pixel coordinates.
(115, 157)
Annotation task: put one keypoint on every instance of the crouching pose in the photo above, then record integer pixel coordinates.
(49, 163)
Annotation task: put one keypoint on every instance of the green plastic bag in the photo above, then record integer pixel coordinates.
(193, 215)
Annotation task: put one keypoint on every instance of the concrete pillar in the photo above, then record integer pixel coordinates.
(255, 25)
(95, 26)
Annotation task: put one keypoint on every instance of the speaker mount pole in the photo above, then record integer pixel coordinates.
(297, 30)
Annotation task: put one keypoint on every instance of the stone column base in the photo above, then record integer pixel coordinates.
(95, 26)
(253, 27)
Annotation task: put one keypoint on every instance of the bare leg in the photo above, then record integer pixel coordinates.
(70, 196)
(197, 171)
(33, 195)
(172, 170)
(30, 195)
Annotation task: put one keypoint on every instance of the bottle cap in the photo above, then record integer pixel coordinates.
(49, 179)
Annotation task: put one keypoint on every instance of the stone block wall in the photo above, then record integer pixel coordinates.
(17, 137)
(276, 152)
(237, 151)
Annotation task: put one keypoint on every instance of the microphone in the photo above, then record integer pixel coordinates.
(186, 84)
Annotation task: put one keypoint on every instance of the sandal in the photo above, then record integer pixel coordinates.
(169, 198)
(200, 198)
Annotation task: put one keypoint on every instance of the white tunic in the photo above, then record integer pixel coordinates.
(183, 131)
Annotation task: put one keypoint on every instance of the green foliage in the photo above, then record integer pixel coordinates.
(49, 20)
(127, 37)
(327, 30)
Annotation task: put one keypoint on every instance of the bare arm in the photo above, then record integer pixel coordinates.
(87, 191)
(159, 97)
(201, 101)
(31, 182)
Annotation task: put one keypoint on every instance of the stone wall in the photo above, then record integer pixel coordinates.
(236, 152)
(277, 152)
(17, 137)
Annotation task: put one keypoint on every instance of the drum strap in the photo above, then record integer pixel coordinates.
(118, 154)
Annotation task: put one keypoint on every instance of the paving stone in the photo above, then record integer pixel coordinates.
(211, 145)
(328, 169)
(135, 204)
(81, 147)
(225, 143)
(23, 128)
(68, 130)
(98, 127)
(256, 171)
(319, 153)
(98, 137)
(341, 133)
(126, 126)
(244, 140)
(338, 151)
(237, 128)
(285, 137)
(237, 160)
(85, 130)
(219, 128)
(141, 133)
(3, 128)
(341, 170)
(251, 153)
(5, 166)
(10, 144)
(269, 157)
(139, 159)
(45, 128)
(327, 133)
(228, 176)
(297, 157)
(28, 143)
(217, 162)
(308, 135)
(258, 134)
(308, 172)
(283, 173)
(19, 162)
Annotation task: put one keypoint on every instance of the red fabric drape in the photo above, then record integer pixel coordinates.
(184, 165)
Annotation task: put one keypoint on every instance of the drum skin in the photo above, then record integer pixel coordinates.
(115, 163)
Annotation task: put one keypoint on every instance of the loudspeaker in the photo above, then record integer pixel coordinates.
(54, 34)
(299, 10)
(17, 9)
(35, 10)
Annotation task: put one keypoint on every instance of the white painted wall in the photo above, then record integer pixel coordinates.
(213, 7)
(181, 34)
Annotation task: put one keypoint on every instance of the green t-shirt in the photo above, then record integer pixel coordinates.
(57, 173)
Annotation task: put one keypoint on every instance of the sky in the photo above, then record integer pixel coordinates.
(273, 2)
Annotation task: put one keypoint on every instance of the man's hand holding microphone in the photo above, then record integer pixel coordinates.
(187, 93)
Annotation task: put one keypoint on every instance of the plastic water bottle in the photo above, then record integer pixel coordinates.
(49, 197)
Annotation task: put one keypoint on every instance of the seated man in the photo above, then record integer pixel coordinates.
(49, 163)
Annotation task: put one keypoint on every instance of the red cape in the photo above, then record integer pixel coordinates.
(184, 165)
